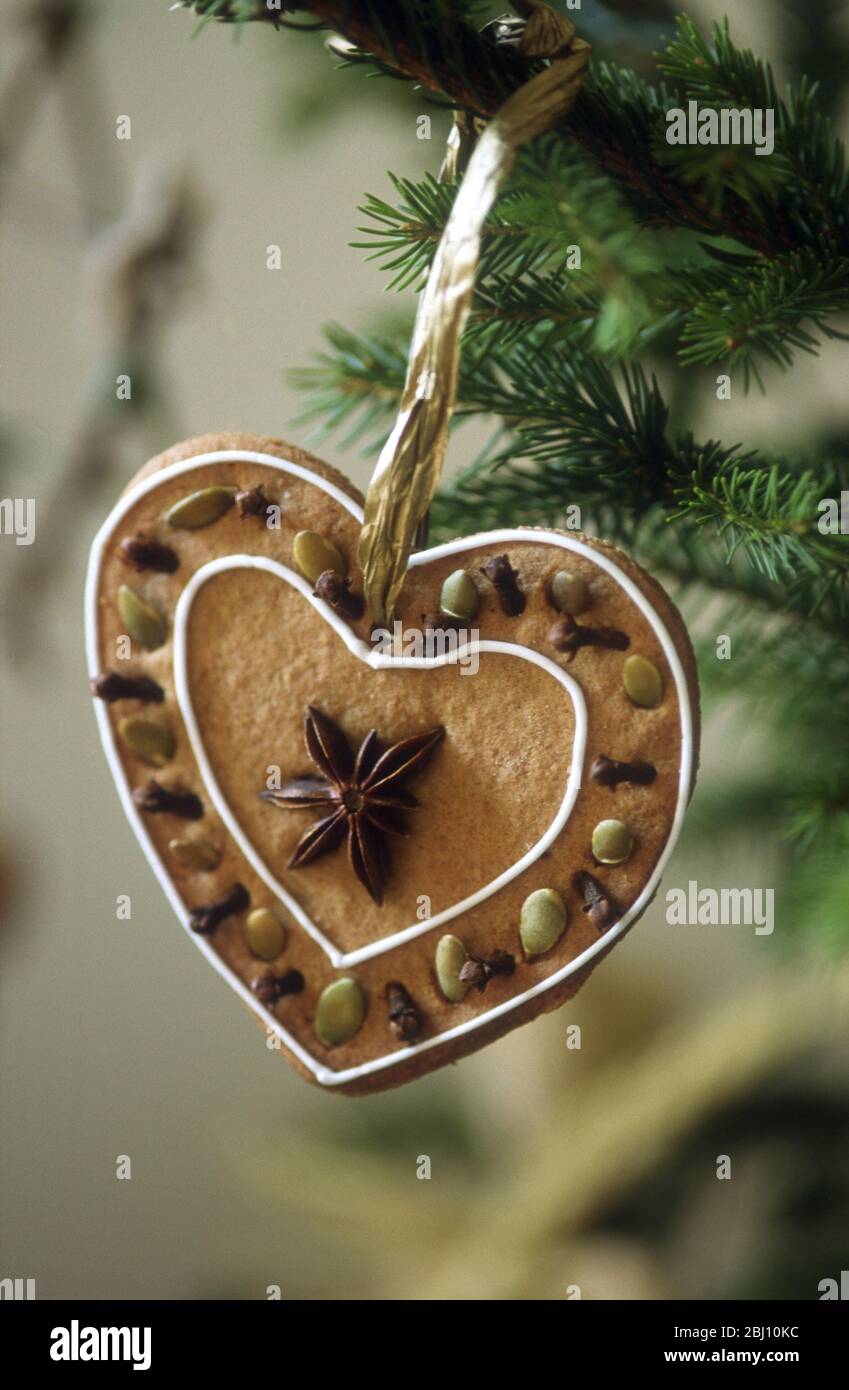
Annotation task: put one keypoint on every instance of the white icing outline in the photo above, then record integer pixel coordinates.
(323, 1074)
(377, 661)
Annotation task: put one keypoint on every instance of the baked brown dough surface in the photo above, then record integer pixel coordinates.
(258, 654)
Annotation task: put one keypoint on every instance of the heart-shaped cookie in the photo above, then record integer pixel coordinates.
(394, 844)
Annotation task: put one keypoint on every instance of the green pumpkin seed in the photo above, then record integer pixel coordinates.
(143, 623)
(265, 933)
(569, 593)
(459, 597)
(153, 742)
(642, 682)
(200, 508)
(542, 921)
(313, 555)
(201, 855)
(339, 1012)
(612, 842)
(451, 956)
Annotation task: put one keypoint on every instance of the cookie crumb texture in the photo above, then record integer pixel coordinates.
(243, 691)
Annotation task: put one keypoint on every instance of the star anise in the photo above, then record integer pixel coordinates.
(363, 792)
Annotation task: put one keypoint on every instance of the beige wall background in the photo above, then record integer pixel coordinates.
(116, 1039)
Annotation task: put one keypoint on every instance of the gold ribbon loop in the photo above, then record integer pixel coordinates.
(410, 463)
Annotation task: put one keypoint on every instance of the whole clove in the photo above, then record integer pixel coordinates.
(336, 591)
(598, 905)
(204, 920)
(504, 580)
(568, 636)
(155, 799)
(252, 502)
(143, 553)
(269, 987)
(478, 973)
(404, 1018)
(440, 622)
(110, 686)
(609, 773)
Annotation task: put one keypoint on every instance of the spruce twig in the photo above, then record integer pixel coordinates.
(618, 119)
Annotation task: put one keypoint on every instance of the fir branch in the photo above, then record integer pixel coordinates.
(436, 45)
(810, 199)
(598, 430)
(771, 511)
(737, 807)
(718, 73)
(582, 431)
(618, 118)
(740, 310)
(760, 311)
(794, 680)
(506, 310)
(562, 199)
(577, 429)
(692, 558)
(559, 245)
(357, 384)
(359, 380)
(403, 238)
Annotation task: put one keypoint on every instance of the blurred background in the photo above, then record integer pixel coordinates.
(554, 1169)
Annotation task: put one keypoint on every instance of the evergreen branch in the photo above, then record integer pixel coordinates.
(357, 384)
(794, 682)
(433, 44)
(578, 430)
(618, 118)
(360, 380)
(403, 238)
(774, 205)
(693, 558)
(717, 74)
(810, 200)
(760, 311)
(739, 309)
(559, 216)
(600, 431)
(584, 432)
(505, 310)
(561, 197)
(773, 512)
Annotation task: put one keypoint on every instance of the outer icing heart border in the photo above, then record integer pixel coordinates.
(323, 1074)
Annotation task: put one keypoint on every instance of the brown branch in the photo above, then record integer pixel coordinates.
(40, 38)
(446, 71)
(136, 270)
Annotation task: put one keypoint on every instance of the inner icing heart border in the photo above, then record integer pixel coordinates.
(322, 1073)
(377, 661)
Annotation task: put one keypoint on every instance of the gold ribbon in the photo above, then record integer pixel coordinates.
(410, 463)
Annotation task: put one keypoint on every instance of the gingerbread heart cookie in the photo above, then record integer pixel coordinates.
(395, 844)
